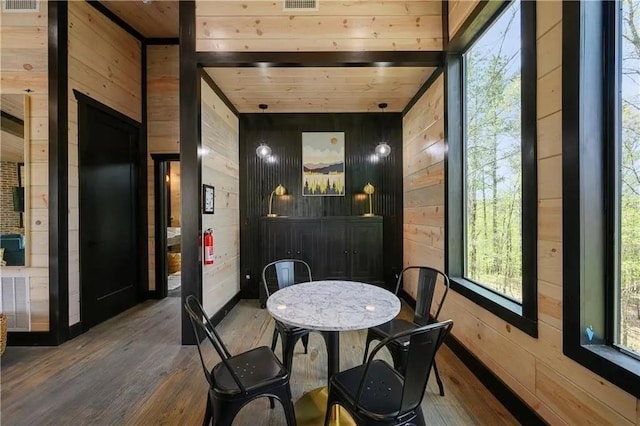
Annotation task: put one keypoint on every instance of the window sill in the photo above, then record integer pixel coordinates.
(504, 308)
(609, 363)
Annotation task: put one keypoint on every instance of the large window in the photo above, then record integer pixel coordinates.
(491, 162)
(493, 165)
(601, 188)
(628, 180)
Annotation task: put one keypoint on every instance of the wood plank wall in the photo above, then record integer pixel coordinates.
(163, 124)
(560, 390)
(459, 10)
(258, 25)
(24, 70)
(220, 169)
(105, 64)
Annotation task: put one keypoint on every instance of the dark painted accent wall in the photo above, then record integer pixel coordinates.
(283, 133)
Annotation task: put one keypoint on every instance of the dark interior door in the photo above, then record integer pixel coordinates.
(108, 146)
(336, 246)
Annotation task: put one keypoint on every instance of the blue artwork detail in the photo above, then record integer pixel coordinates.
(590, 333)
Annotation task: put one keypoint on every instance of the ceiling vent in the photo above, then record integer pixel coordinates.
(301, 5)
(20, 6)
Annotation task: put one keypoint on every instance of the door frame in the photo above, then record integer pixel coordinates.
(161, 205)
(140, 166)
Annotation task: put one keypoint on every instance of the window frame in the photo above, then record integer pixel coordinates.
(521, 315)
(589, 122)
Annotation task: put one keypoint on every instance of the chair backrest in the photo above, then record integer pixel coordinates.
(285, 272)
(427, 281)
(424, 342)
(200, 321)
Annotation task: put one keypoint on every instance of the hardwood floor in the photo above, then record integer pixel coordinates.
(133, 370)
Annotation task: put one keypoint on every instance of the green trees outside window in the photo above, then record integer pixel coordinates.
(628, 179)
(492, 157)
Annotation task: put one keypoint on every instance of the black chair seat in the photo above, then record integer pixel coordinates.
(258, 367)
(392, 327)
(376, 394)
(382, 393)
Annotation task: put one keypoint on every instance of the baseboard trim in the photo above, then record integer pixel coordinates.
(75, 330)
(511, 401)
(31, 338)
(219, 316)
(154, 294)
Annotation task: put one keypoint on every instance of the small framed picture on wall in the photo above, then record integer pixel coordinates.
(208, 198)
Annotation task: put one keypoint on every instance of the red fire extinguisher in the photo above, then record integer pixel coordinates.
(208, 247)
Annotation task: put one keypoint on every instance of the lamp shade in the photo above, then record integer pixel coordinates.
(263, 150)
(280, 190)
(383, 149)
(369, 189)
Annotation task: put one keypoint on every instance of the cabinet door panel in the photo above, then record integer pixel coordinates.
(366, 251)
(306, 239)
(336, 250)
(278, 241)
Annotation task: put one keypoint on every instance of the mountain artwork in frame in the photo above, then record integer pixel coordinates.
(323, 163)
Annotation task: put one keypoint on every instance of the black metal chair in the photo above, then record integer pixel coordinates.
(376, 394)
(238, 379)
(427, 281)
(285, 275)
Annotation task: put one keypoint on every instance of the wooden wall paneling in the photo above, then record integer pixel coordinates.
(24, 70)
(220, 169)
(342, 26)
(104, 63)
(560, 390)
(283, 132)
(459, 10)
(163, 125)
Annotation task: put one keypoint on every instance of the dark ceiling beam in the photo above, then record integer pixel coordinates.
(11, 124)
(320, 59)
(116, 19)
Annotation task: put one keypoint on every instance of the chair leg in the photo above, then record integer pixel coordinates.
(305, 343)
(286, 399)
(419, 419)
(440, 385)
(288, 346)
(208, 413)
(274, 339)
(225, 412)
(370, 339)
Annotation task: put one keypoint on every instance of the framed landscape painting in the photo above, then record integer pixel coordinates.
(323, 163)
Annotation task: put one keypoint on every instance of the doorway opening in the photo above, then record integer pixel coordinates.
(167, 225)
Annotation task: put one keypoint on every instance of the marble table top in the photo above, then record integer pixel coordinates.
(333, 305)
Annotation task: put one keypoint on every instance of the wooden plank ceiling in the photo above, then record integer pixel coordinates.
(154, 19)
(263, 26)
(309, 89)
(336, 26)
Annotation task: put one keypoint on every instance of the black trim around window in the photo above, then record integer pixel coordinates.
(523, 316)
(588, 108)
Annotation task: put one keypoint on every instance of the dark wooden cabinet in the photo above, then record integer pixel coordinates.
(348, 248)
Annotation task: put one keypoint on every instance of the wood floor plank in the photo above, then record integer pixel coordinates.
(132, 370)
